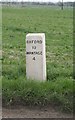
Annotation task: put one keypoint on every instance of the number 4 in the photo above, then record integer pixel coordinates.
(33, 58)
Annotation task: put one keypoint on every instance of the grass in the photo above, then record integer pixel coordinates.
(24, 92)
(57, 26)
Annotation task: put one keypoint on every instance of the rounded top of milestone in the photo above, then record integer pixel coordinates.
(35, 34)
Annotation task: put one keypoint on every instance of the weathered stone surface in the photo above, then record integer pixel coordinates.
(35, 56)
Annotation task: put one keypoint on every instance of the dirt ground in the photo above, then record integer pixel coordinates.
(33, 112)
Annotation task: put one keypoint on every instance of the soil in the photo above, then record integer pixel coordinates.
(33, 112)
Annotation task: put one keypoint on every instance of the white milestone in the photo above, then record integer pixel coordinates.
(35, 56)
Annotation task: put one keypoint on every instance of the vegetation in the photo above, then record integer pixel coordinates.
(58, 27)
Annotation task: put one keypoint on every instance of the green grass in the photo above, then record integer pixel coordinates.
(57, 26)
(27, 92)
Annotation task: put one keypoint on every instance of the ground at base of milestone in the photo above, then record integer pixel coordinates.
(33, 112)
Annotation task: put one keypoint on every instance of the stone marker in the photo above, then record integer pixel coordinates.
(35, 56)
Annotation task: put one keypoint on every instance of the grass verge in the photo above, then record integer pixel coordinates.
(28, 92)
(57, 26)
